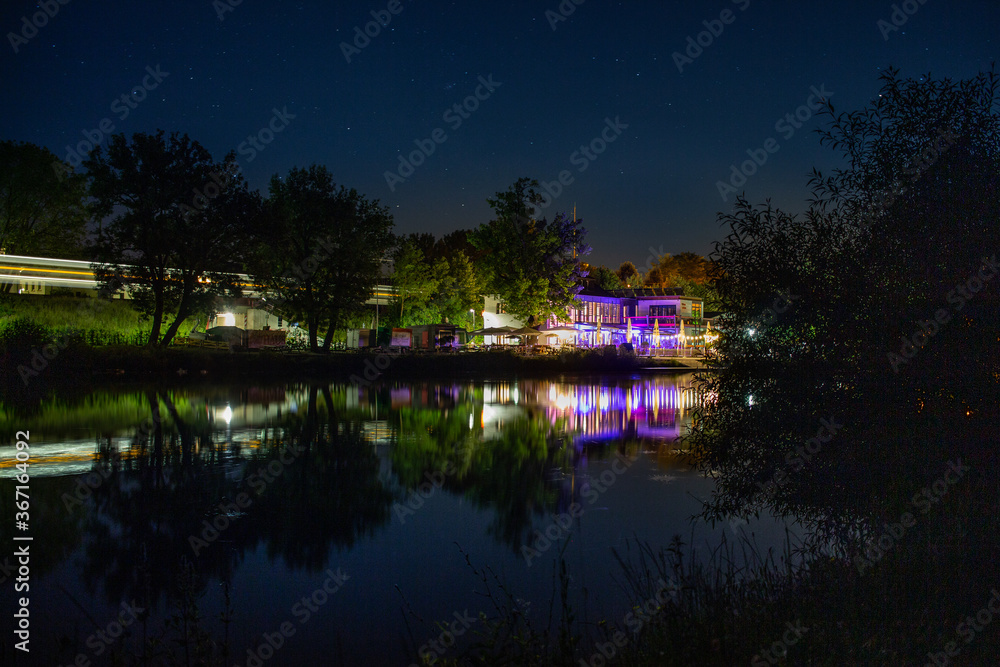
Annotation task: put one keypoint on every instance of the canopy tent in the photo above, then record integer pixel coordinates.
(525, 331)
(559, 333)
(492, 331)
(499, 332)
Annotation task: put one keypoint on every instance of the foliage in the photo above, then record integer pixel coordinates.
(42, 209)
(532, 264)
(628, 274)
(704, 291)
(671, 270)
(435, 281)
(28, 322)
(460, 291)
(177, 225)
(321, 249)
(884, 252)
(604, 278)
(416, 281)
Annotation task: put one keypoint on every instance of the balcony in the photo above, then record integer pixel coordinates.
(646, 321)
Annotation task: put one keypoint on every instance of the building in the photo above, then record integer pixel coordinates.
(495, 316)
(602, 318)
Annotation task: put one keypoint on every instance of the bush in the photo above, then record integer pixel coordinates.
(19, 335)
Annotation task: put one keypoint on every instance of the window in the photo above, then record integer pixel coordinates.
(663, 310)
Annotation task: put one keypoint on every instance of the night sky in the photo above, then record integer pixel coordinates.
(607, 65)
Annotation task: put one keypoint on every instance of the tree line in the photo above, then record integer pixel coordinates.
(163, 221)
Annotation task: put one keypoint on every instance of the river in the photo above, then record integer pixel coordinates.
(345, 522)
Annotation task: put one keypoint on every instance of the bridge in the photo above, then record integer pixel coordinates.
(38, 275)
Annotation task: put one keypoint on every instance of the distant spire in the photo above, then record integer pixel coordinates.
(574, 225)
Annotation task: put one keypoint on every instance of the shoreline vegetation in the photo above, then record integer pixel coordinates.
(67, 342)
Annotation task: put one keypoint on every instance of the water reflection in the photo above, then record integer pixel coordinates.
(134, 484)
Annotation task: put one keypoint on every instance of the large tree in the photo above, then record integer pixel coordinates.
(42, 208)
(859, 348)
(175, 225)
(460, 291)
(434, 288)
(531, 263)
(672, 270)
(322, 249)
(415, 280)
(602, 277)
(628, 274)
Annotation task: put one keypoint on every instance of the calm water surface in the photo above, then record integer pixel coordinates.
(346, 516)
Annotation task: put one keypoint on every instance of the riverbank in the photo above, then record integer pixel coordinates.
(27, 371)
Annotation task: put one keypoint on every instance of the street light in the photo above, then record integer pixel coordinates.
(473, 311)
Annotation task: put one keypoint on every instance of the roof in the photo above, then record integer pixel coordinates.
(597, 292)
(646, 292)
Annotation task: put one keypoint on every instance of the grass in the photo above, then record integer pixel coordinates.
(812, 603)
(93, 321)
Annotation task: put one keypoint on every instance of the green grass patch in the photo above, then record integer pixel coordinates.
(96, 321)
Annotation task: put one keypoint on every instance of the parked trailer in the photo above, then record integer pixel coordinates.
(362, 338)
(433, 336)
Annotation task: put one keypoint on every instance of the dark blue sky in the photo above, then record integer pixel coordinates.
(654, 186)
